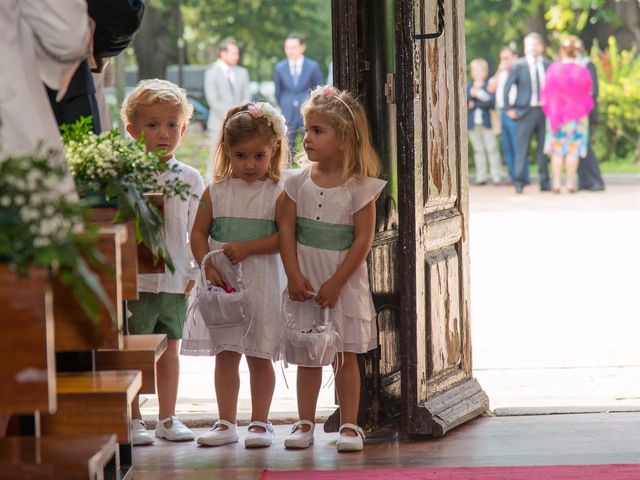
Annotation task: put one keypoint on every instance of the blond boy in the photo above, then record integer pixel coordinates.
(159, 111)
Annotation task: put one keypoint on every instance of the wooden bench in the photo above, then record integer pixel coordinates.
(27, 370)
(74, 331)
(93, 457)
(139, 352)
(94, 403)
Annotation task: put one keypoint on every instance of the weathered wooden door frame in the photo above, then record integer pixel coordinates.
(433, 402)
(432, 231)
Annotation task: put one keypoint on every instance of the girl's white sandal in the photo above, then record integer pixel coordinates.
(347, 443)
(215, 438)
(259, 439)
(299, 438)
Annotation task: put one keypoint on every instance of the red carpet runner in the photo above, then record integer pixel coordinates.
(563, 472)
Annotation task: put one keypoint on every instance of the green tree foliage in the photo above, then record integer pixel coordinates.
(618, 132)
(259, 27)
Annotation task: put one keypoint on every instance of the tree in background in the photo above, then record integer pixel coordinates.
(259, 26)
(491, 24)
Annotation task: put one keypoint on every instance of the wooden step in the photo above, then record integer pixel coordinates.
(104, 216)
(84, 457)
(27, 369)
(74, 331)
(139, 352)
(94, 403)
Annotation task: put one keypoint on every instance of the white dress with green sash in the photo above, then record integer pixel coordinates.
(324, 234)
(243, 211)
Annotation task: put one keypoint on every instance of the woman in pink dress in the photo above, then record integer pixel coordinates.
(566, 102)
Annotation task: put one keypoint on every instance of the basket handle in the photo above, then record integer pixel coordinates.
(239, 275)
(290, 322)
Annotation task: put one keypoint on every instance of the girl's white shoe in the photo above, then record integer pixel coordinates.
(259, 439)
(215, 438)
(347, 443)
(299, 438)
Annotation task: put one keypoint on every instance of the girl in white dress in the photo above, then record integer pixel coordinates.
(326, 231)
(237, 214)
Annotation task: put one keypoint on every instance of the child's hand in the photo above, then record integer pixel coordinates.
(299, 289)
(236, 251)
(189, 287)
(329, 293)
(214, 276)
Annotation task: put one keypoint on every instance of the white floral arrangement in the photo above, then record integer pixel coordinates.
(267, 111)
(110, 170)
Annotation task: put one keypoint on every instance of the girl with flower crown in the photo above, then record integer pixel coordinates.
(326, 231)
(237, 214)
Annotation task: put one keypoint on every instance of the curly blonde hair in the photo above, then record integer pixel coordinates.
(152, 92)
(347, 116)
(240, 125)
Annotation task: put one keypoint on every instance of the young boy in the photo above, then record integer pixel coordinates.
(483, 140)
(159, 110)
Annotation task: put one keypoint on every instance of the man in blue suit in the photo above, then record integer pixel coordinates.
(294, 78)
(528, 75)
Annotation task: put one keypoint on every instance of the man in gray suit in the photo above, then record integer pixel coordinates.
(528, 74)
(225, 85)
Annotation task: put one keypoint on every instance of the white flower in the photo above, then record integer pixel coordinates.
(5, 201)
(267, 111)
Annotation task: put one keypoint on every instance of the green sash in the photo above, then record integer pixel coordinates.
(327, 236)
(232, 229)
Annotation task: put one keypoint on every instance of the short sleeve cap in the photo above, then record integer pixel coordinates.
(293, 180)
(364, 191)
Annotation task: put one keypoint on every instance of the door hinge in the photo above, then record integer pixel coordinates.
(390, 88)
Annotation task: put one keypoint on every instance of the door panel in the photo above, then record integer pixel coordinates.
(438, 390)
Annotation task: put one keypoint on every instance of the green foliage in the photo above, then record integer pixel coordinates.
(259, 26)
(41, 225)
(618, 132)
(109, 169)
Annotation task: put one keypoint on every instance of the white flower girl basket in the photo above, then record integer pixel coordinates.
(219, 308)
(309, 339)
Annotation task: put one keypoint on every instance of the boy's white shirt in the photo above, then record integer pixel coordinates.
(179, 216)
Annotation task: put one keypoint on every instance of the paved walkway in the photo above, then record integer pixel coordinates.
(554, 289)
(555, 317)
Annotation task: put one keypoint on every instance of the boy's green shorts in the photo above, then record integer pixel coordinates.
(158, 313)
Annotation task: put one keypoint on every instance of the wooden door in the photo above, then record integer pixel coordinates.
(414, 91)
(438, 389)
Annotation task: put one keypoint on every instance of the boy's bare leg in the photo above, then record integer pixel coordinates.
(167, 380)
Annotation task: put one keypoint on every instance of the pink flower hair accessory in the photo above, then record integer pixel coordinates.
(267, 111)
(329, 91)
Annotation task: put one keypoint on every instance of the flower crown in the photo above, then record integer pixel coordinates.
(267, 111)
(328, 91)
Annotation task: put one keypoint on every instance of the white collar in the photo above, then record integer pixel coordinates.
(298, 62)
(224, 66)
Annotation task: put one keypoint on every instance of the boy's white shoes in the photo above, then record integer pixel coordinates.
(298, 438)
(176, 431)
(348, 443)
(215, 438)
(139, 433)
(257, 439)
